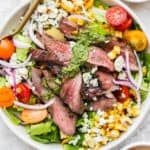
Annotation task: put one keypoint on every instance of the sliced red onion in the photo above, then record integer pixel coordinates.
(140, 77)
(37, 106)
(20, 44)
(33, 36)
(9, 65)
(131, 79)
(127, 83)
(81, 17)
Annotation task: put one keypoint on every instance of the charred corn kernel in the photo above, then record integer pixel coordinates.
(92, 134)
(118, 34)
(102, 132)
(112, 55)
(72, 19)
(116, 49)
(126, 103)
(65, 141)
(63, 135)
(91, 15)
(135, 111)
(88, 3)
(111, 125)
(120, 127)
(75, 32)
(144, 69)
(80, 22)
(67, 5)
(114, 134)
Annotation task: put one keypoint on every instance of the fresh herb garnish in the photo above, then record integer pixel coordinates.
(94, 33)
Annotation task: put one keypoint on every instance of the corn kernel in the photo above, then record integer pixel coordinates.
(67, 5)
(111, 125)
(72, 19)
(112, 55)
(118, 34)
(91, 15)
(96, 118)
(102, 131)
(114, 133)
(80, 22)
(101, 7)
(135, 111)
(116, 49)
(121, 127)
(75, 32)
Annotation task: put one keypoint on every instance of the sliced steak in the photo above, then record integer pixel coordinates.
(106, 80)
(62, 117)
(98, 57)
(37, 82)
(90, 93)
(58, 52)
(70, 93)
(103, 104)
(67, 28)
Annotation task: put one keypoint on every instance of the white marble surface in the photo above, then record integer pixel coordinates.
(8, 141)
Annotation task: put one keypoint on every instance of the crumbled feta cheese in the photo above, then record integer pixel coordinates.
(119, 64)
(94, 70)
(102, 121)
(100, 113)
(94, 98)
(91, 109)
(75, 141)
(94, 82)
(72, 44)
(87, 77)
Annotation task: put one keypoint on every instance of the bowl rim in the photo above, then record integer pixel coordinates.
(136, 1)
(141, 143)
(109, 145)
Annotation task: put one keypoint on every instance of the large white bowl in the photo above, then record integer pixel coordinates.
(20, 131)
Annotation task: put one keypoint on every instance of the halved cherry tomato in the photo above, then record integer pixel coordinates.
(125, 26)
(23, 93)
(7, 48)
(137, 39)
(6, 97)
(116, 16)
(123, 94)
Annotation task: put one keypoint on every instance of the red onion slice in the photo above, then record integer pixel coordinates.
(9, 65)
(37, 106)
(20, 44)
(140, 77)
(33, 37)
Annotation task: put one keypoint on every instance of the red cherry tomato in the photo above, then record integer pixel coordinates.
(116, 15)
(123, 94)
(23, 93)
(125, 26)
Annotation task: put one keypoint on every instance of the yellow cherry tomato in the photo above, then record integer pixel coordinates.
(137, 39)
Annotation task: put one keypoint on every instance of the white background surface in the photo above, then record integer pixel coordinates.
(8, 141)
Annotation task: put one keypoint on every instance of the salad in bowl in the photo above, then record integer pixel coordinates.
(77, 74)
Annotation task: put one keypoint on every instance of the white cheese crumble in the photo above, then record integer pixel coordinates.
(94, 82)
(122, 75)
(87, 77)
(75, 141)
(48, 14)
(119, 64)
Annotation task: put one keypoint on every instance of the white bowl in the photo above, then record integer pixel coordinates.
(136, 1)
(20, 131)
(137, 144)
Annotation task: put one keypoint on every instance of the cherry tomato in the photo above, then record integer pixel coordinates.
(116, 16)
(6, 97)
(125, 26)
(23, 93)
(123, 94)
(7, 48)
